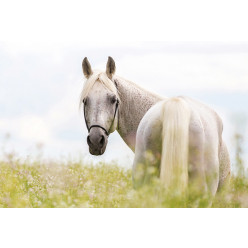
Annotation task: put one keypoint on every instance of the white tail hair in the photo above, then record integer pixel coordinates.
(175, 145)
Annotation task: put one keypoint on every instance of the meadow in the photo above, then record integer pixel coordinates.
(50, 184)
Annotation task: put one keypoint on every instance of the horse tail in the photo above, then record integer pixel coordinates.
(175, 143)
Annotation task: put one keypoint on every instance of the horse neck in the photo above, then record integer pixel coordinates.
(135, 102)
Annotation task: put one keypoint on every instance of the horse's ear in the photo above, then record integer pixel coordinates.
(110, 68)
(86, 68)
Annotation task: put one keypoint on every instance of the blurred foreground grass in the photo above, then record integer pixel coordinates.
(53, 184)
(62, 185)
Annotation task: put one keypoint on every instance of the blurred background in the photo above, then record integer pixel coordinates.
(41, 84)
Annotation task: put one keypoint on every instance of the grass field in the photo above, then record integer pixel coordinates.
(75, 184)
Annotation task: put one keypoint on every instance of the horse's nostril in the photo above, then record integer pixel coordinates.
(88, 140)
(102, 141)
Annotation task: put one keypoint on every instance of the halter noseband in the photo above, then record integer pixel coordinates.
(106, 132)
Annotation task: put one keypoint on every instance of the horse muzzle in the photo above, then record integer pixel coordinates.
(97, 141)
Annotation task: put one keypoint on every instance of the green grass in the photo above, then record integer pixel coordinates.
(62, 185)
(53, 184)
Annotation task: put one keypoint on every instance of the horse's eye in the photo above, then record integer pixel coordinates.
(113, 100)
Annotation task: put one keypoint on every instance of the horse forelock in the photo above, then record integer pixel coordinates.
(101, 77)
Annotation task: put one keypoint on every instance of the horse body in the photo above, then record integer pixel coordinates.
(207, 156)
(113, 103)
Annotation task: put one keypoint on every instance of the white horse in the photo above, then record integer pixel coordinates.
(183, 135)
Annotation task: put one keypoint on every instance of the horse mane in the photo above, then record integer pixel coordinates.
(139, 87)
(101, 77)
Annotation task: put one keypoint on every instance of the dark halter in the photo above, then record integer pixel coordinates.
(106, 132)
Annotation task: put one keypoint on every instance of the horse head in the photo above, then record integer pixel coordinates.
(100, 102)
